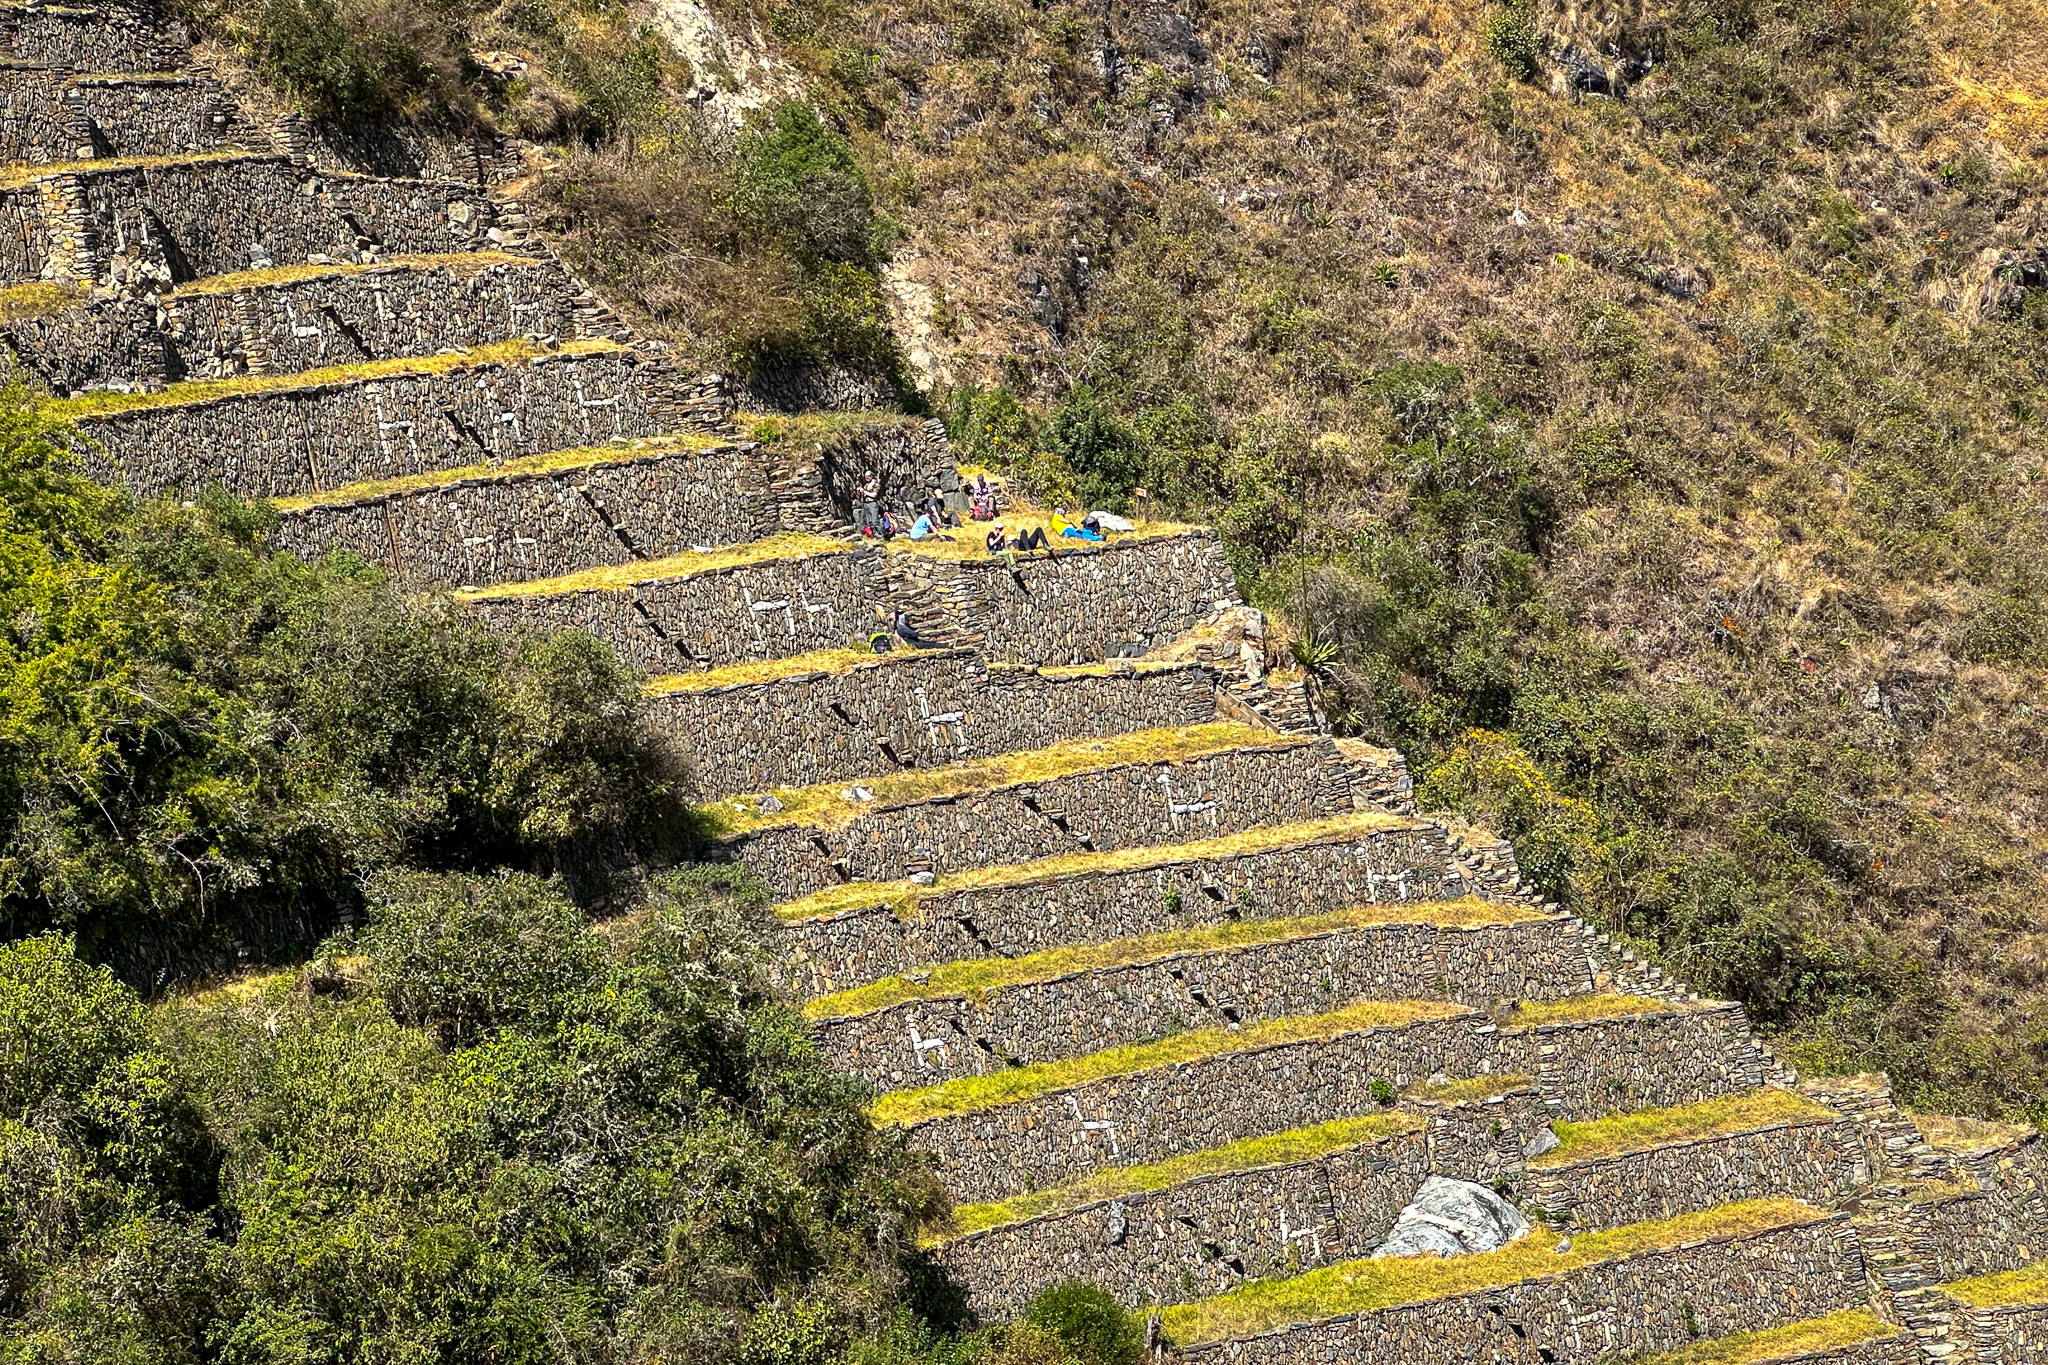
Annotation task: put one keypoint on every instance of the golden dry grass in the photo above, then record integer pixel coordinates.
(972, 1094)
(40, 299)
(1960, 1133)
(103, 404)
(1575, 1008)
(463, 262)
(1115, 1182)
(621, 577)
(980, 975)
(1465, 1089)
(1363, 1286)
(1645, 1128)
(968, 541)
(902, 896)
(2028, 1284)
(834, 661)
(824, 807)
(547, 463)
(14, 177)
(1846, 1328)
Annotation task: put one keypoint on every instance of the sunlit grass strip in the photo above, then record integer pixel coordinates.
(1620, 1133)
(993, 973)
(902, 897)
(970, 542)
(621, 577)
(1112, 668)
(1573, 1009)
(1850, 1327)
(462, 262)
(2028, 1284)
(14, 177)
(40, 299)
(1115, 1182)
(811, 428)
(1960, 1133)
(1367, 1285)
(823, 807)
(548, 463)
(107, 403)
(1465, 1089)
(972, 1094)
(832, 661)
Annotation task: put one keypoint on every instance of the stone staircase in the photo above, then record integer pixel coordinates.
(1180, 995)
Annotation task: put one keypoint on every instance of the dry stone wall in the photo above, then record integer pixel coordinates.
(767, 610)
(51, 116)
(841, 951)
(1124, 806)
(116, 38)
(1202, 1237)
(288, 442)
(1650, 1301)
(912, 710)
(2015, 1334)
(1084, 1011)
(2000, 1227)
(1122, 599)
(379, 314)
(1481, 1139)
(1661, 1059)
(1058, 1136)
(515, 527)
(1814, 1161)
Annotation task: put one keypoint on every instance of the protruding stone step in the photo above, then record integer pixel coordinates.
(970, 1018)
(845, 714)
(287, 436)
(1191, 1226)
(853, 935)
(1631, 1167)
(1150, 788)
(1641, 1288)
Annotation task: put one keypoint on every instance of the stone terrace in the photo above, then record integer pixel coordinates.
(1179, 994)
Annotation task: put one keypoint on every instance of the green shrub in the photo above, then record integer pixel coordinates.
(356, 59)
(1088, 1322)
(1511, 38)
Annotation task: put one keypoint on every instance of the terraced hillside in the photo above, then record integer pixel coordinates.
(1179, 994)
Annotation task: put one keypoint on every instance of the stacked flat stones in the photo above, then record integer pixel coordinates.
(1171, 1014)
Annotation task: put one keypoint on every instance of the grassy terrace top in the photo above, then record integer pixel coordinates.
(903, 896)
(1572, 1009)
(1846, 1328)
(545, 463)
(1465, 1089)
(842, 660)
(39, 299)
(969, 543)
(993, 973)
(2028, 1284)
(462, 262)
(1619, 1133)
(1363, 1286)
(1115, 1182)
(14, 177)
(823, 807)
(1957, 1133)
(810, 428)
(622, 577)
(106, 403)
(972, 1094)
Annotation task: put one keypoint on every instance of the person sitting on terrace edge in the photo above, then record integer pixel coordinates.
(923, 529)
(1062, 527)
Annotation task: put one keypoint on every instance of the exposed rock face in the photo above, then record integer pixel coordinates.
(1453, 1218)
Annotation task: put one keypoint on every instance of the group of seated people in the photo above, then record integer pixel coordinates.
(930, 519)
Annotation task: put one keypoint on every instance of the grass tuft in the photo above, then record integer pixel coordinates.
(823, 807)
(1646, 1128)
(1115, 1182)
(2028, 1284)
(545, 463)
(1575, 1008)
(621, 577)
(106, 403)
(972, 1094)
(994, 973)
(1849, 1327)
(835, 661)
(1366, 1285)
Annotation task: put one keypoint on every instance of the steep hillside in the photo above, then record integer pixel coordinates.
(1658, 389)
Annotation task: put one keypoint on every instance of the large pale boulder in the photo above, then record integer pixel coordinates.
(1453, 1218)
